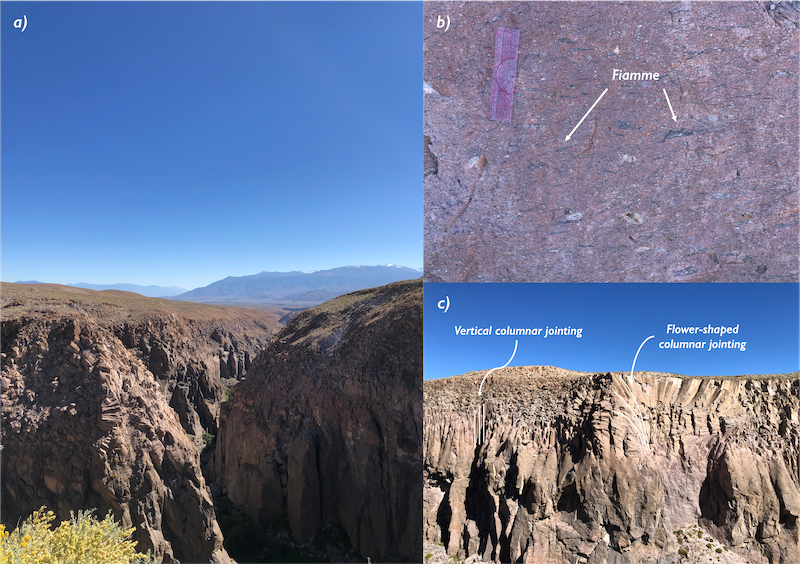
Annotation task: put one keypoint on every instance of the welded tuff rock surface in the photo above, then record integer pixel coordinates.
(326, 428)
(632, 196)
(87, 420)
(563, 476)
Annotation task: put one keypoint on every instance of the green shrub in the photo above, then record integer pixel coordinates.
(719, 551)
(708, 545)
(428, 556)
(683, 552)
(208, 438)
(82, 539)
(227, 394)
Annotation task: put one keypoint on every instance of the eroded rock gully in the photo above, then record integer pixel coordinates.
(90, 417)
(561, 478)
(195, 360)
(326, 429)
(632, 196)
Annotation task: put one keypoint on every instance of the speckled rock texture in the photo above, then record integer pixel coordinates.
(633, 196)
(327, 427)
(563, 476)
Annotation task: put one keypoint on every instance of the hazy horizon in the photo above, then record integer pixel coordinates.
(31, 280)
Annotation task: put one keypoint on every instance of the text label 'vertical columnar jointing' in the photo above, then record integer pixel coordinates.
(506, 44)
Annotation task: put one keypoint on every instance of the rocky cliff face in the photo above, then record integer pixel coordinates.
(326, 428)
(194, 360)
(100, 393)
(564, 473)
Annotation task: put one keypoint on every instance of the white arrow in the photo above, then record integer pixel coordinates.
(516, 343)
(674, 117)
(584, 117)
(637, 355)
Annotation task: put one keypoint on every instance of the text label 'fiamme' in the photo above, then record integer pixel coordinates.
(620, 75)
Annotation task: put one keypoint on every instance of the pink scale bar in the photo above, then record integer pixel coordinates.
(506, 44)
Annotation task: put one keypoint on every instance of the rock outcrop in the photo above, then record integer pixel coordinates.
(191, 349)
(326, 429)
(631, 195)
(564, 472)
(195, 357)
(100, 393)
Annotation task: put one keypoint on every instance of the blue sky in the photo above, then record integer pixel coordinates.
(615, 319)
(179, 143)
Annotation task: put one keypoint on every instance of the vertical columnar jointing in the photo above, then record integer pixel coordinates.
(483, 423)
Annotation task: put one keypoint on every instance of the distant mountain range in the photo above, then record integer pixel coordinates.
(298, 288)
(294, 289)
(148, 291)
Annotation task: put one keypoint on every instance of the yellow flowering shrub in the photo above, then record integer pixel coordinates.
(81, 540)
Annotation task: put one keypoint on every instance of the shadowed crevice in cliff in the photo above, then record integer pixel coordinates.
(561, 477)
(569, 501)
(326, 430)
(443, 517)
(716, 496)
(480, 510)
(249, 541)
